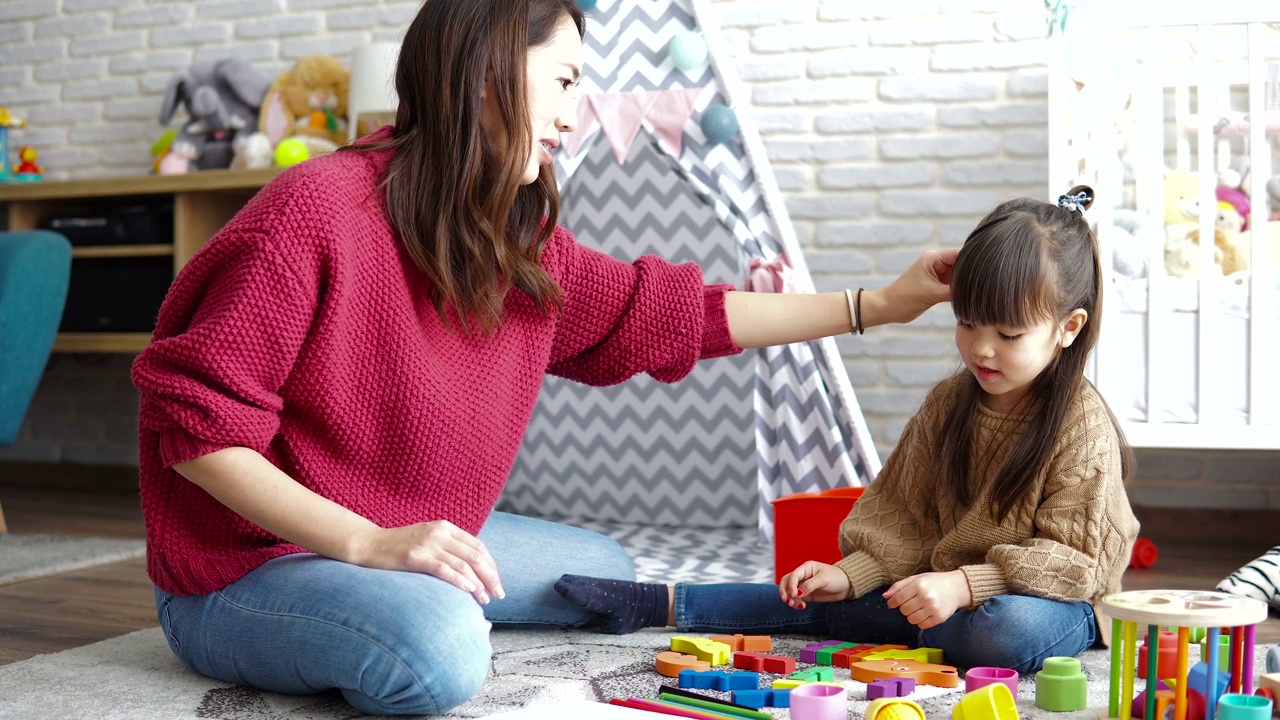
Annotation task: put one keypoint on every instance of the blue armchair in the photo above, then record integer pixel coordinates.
(35, 267)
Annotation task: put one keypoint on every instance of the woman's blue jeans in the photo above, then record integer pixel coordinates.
(1008, 631)
(392, 642)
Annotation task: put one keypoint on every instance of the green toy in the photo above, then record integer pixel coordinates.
(1060, 686)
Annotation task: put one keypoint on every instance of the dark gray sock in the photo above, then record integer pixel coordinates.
(623, 606)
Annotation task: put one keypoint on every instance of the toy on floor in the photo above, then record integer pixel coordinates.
(894, 709)
(1061, 685)
(1181, 609)
(890, 688)
(1144, 554)
(979, 677)
(672, 663)
(989, 702)
(747, 643)
(923, 673)
(823, 702)
(761, 662)
(705, 649)
(763, 698)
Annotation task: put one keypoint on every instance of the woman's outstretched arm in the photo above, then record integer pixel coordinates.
(764, 319)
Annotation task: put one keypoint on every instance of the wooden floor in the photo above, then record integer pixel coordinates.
(77, 608)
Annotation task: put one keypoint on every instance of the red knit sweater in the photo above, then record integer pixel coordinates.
(303, 331)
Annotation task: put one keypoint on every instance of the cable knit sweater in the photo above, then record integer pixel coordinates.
(303, 331)
(1069, 539)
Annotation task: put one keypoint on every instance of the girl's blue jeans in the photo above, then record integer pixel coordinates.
(1007, 631)
(392, 642)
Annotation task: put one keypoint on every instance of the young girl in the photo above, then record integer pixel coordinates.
(1000, 519)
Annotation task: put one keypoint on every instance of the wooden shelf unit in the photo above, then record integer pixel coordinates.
(202, 203)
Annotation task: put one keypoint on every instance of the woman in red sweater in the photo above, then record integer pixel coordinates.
(340, 379)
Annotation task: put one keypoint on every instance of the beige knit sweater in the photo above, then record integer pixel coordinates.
(1070, 539)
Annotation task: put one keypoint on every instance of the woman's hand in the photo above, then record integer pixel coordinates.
(925, 284)
(437, 548)
(928, 599)
(814, 581)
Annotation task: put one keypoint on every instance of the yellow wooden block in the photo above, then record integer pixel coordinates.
(926, 655)
(705, 649)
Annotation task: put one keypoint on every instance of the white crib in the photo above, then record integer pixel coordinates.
(1183, 363)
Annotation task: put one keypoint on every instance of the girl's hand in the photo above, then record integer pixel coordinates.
(437, 548)
(928, 599)
(814, 581)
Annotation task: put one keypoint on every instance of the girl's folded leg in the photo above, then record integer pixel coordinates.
(624, 607)
(394, 643)
(1014, 631)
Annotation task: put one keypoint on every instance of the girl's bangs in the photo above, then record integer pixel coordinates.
(999, 279)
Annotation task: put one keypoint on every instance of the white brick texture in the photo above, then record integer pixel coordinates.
(892, 128)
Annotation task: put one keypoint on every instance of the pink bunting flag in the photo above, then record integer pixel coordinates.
(620, 116)
(668, 113)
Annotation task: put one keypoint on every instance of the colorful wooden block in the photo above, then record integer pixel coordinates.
(749, 643)
(791, 683)
(890, 688)
(705, 649)
(922, 673)
(809, 654)
(764, 663)
(672, 663)
(815, 674)
(823, 655)
(925, 655)
(760, 698)
(718, 680)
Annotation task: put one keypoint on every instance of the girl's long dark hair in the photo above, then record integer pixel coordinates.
(1027, 261)
(452, 196)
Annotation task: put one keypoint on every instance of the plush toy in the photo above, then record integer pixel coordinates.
(1136, 234)
(222, 97)
(308, 100)
(1181, 198)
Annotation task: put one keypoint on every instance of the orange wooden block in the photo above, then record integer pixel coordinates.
(748, 643)
(923, 673)
(670, 663)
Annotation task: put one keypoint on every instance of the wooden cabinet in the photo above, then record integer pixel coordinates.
(202, 203)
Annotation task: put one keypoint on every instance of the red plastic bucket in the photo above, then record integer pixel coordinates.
(806, 526)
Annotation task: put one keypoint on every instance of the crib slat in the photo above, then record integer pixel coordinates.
(1206, 401)
(1260, 161)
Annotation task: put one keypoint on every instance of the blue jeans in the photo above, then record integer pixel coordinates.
(392, 642)
(1008, 631)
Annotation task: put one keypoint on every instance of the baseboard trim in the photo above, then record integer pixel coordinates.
(106, 479)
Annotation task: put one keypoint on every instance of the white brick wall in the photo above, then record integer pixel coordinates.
(892, 127)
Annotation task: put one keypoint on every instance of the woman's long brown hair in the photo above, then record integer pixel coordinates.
(453, 197)
(1027, 261)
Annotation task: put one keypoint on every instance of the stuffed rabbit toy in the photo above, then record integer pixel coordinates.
(223, 98)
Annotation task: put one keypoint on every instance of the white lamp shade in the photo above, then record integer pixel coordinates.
(373, 70)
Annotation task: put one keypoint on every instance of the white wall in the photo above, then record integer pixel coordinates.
(892, 127)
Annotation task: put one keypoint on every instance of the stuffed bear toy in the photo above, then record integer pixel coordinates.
(222, 97)
(308, 101)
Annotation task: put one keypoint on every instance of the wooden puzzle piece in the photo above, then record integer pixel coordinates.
(790, 683)
(890, 688)
(815, 674)
(718, 680)
(809, 654)
(823, 655)
(671, 663)
(749, 643)
(925, 655)
(764, 663)
(705, 649)
(923, 673)
(760, 698)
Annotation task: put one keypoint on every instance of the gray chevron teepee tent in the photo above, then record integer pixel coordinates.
(638, 177)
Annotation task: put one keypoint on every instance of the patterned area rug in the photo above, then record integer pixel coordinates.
(136, 677)
(25, 557)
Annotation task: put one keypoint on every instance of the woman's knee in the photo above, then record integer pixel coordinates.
(444, 665)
